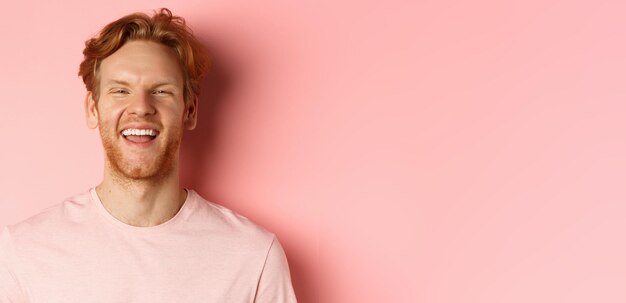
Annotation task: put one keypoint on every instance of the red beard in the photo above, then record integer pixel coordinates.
(152, 166)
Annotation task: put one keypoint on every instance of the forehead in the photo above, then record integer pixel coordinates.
(142, 62)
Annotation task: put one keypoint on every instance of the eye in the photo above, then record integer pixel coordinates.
(119, 91)
(162, 92)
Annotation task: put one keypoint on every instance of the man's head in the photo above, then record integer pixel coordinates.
(162, 28)
(143, 75)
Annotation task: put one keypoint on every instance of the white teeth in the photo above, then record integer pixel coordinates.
(138, 132)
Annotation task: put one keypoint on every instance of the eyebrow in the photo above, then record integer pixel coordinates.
(163, 84)
(125, 83)
(114, 81)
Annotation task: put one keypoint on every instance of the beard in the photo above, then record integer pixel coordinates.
(155, 167)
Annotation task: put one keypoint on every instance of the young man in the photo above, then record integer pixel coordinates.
(138, 236)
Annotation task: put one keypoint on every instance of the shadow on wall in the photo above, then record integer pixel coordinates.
(199, 145)
(198, 153)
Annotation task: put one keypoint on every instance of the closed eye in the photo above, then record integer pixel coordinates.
(162, 92)
(120, 91)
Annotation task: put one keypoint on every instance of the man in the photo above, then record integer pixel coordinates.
(138, 236)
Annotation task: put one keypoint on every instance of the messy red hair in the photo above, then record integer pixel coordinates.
(162, 27)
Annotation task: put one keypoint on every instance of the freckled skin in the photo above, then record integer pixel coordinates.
(161, 164)
(141, 64)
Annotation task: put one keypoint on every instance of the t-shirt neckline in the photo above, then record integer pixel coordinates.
(169, 224)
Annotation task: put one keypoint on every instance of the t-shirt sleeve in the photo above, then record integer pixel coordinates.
(275, 281)
(10, 289)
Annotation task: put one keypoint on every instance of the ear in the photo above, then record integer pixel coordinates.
(91, 111)
(191, 114)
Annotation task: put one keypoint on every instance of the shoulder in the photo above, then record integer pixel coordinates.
(52, 219)
(217, 219)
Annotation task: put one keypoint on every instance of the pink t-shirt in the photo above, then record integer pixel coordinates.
(76, 251)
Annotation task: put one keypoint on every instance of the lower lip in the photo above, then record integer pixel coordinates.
(139, 144)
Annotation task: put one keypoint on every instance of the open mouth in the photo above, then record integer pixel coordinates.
(139, 135)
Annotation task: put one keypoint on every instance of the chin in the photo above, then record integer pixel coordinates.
(153, 166)
(142, 173)
(141, 169)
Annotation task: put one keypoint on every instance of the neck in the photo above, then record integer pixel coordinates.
(144, 203)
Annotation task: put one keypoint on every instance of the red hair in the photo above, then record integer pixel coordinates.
(163, 28)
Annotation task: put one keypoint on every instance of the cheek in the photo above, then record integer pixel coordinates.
(109, 117)
(174, 115)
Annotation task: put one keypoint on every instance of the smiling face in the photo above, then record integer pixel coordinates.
(140, 110)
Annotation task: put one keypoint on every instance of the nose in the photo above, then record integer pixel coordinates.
(141, 105)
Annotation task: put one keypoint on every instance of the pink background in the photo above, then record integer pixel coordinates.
(444, 151)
